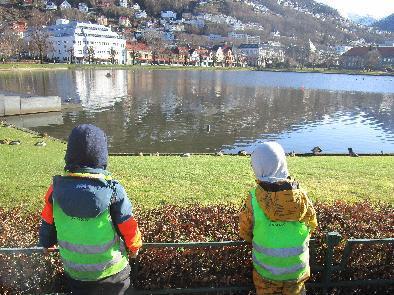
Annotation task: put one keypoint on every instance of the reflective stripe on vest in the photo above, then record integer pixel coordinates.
(88, 249)
(97, 267)
(279, 270)
(281, 252)
(280, 248)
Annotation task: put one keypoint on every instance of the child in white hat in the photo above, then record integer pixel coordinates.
(278, 219)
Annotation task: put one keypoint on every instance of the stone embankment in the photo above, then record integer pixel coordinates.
(11, 105)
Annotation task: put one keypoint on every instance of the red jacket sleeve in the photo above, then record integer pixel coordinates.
(131, 234)
(47, 212)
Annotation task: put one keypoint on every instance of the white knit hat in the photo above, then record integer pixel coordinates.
(269, 162)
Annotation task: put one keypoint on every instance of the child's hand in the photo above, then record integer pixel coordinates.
(133, 255)
(46, 251)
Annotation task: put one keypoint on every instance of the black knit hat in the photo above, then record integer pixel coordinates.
(87, 147)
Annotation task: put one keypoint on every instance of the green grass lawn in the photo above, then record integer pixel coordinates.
(26, 172)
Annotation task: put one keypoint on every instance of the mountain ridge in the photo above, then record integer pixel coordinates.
(386, 24)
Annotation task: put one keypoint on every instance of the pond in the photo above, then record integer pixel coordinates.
(207, 111)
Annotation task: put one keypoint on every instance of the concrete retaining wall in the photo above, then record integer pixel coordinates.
(36, 120)
(16, 105)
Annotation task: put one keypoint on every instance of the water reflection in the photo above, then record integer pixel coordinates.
(98, 92)
(168, 111)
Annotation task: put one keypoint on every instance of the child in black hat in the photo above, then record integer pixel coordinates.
(89, 216)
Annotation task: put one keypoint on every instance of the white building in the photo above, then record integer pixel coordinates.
(123, 3)
(273, 53)
(244, 38)
(85, 42)
(50, 6)
(140, 14)
(82, 7)
(254, 54)
(65, 5)
(168, 14)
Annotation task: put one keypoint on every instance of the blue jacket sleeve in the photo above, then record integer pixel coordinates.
(121, 208)
(47, 234)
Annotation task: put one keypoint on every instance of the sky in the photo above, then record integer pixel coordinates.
(375, 8)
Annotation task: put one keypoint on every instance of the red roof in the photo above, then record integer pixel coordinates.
(137, 46)
(20, 26)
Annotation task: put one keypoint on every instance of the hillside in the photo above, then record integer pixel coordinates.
(294, 22)
(286, 21)
(386, 24)
(290, 22)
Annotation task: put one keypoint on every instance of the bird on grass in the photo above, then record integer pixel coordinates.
(242, 153)
(316, 150)
(15, 142)
(352, 153)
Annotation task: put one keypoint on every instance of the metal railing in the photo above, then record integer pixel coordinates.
(328, 268)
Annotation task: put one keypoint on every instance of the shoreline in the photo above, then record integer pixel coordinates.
(12, 67)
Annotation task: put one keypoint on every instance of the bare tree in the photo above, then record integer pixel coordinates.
(38, 18)
(156, 43)
(90, 57)
(134, 55)
(71, 53)
(372, 59)
(8, 45)
(74, 14)
(38, 42)
(112, 54)
(214, 59)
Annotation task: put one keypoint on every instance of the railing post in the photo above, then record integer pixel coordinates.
(332, 239)
(134, 265)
